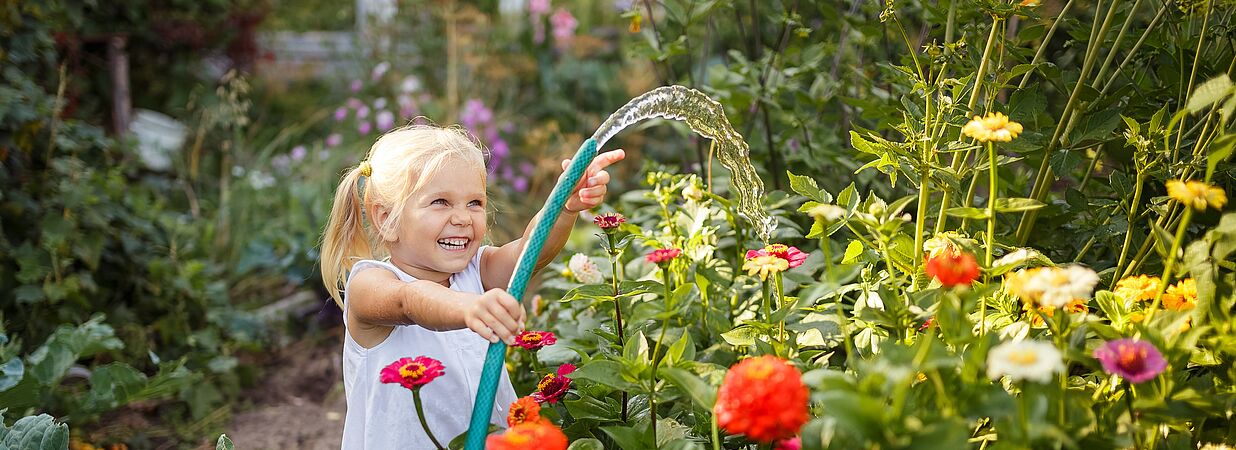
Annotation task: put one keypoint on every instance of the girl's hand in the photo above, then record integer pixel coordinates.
(590, 192)
(495, 315)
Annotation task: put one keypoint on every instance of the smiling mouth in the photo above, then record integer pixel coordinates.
(453, 244)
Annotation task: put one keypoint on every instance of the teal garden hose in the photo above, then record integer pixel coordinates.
(496, 356)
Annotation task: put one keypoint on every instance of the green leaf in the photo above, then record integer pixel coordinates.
(1016, 204)
(605, 292)
(113, 385)
(636, 348)
(586, 444)
(587, 407)
(11, 373)
(741, 336)
(605, 372)
(68, 344)
(682, 350)
(864, 145)
(39, 432)
(703, 394)
(1096, 126)
(224, 443)
(1208, 93)
(806, 186)
(628, 438)
(967, 212)
(852, 252)
(1220, 150)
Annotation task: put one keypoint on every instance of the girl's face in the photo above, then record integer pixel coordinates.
(442, 224)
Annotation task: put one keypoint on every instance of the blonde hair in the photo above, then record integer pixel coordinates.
(395, 164)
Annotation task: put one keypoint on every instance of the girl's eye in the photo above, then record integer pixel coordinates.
(476, 203)
(440, 201)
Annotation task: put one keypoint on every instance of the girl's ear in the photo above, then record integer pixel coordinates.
(378, 215)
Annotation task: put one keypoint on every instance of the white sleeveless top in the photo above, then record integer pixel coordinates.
(383, 416)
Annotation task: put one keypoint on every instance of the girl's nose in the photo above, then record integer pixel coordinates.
(461, 219)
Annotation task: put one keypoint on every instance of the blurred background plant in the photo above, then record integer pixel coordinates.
(144, 286)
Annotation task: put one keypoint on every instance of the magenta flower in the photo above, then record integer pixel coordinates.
(357, 85)
(663, 256)
(364, 127)
(412, 373)
(385, 119)
(334, 140)
(299, 152)
(564, 25)
(791, 444)
(535, 340)
(1136, 361)
(790, 254)
(341, 113)
(609, 221)
(554, 386)
(362, 112)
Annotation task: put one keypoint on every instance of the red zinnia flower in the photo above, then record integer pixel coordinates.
(554, 386)
(534, 340)
(531, 435)
(663, 255)
(1136, 361)
(763, 398)
(524, 410)
(609, 221)
(953, 268)
(412, 373)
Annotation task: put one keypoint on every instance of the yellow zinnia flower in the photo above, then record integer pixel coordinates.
(995, 127)
(1198, 195)
(764, 265)
(1181, 296)
(1138, 288)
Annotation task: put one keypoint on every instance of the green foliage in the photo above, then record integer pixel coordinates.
(40, 432)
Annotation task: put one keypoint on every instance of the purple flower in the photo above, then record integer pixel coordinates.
(501, 148)
(475, 113)
(380, 70)
(354, 103)
(1136, 361)
(357, 84)
(323, 155)
(526, 168)
(385, 119)
(340, 114)
(363, 112)
(334, 140)
(299, 152)
(380, 103)
(520, 184)
(281, 163)
(410, 84)
(364, 128)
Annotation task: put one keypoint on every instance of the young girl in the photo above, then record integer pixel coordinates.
(404, 244)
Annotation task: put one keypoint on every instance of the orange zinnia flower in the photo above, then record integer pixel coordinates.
(528, 436)
(524, 410)
(763, 398)
(953, 268)
(1181, 296)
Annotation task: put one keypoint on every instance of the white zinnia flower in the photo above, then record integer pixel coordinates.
(1017, 257)
(584, 269)
(1024, 360)
(1059, 286)
(826, 212)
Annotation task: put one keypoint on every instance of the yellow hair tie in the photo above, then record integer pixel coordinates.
(365, 168)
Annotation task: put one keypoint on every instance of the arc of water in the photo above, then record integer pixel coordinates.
(707, 118)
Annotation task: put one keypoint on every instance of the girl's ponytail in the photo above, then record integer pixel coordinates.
(344, 240)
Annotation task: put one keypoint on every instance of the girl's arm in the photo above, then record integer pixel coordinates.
(378, 300)
(497, 266)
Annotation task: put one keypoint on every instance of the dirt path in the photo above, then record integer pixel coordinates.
(301, 405)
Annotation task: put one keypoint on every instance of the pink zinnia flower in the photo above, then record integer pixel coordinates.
(790, 254)
(412, 373)
(564, 25)
(791, 444)
(535, 340)
(1136, 361)
(609, 221)
(341, 113)
(664, 255)
(554, 386)
(334, 140)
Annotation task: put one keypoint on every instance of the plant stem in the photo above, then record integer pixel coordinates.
(1038, 54)
(1170, 264)
(613, 260)
(1135, 430)
(1042, 179)
(991, 206)
(780, 299)
(920, 222)
(652, 391)
(1128, 235)
(420, 414)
